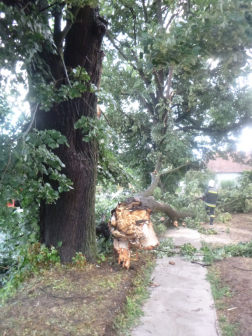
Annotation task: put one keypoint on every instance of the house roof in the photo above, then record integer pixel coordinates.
(220, 165)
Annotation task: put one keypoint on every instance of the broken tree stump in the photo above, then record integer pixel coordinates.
(130, 226)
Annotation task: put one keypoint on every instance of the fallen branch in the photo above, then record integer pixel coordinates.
(66, 298)
(242, 269)
(204, 265)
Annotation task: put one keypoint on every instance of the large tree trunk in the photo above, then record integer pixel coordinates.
(72, 219)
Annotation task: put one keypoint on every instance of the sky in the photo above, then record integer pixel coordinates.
(245, 141)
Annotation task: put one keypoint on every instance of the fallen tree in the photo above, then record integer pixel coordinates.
(149, 201)
(130, 224)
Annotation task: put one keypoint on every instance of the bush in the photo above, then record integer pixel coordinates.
(79, 261)
(32, 259)
(228, 184)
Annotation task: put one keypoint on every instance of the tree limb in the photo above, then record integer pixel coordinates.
(146, 104)
(159, 85)
(169, 79)
(233, 201)
(145, 12)
(140, 71)
(211, 130)
(159, 12)
(174, 169)
(155, 178)
(111, 39)
(170, 20)
(149, 191)
(159, 162)
(59, 35)
(157, 207)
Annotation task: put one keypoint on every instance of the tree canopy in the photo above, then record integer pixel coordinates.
(174, 70)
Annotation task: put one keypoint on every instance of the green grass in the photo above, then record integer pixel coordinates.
(132, 310)
(219, 293)
(228, 329)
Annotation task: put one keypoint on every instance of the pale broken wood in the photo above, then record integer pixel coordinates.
(130, 226)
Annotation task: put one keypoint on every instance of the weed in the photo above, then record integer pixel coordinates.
(165, 248)
(220, 292)
(218, 253)
(132, 309)
(224, 217)
(229, 329)
(32, 259)
(79, 261)
(188, 249)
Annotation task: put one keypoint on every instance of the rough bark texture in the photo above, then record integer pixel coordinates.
(72, 219)
(150, 202)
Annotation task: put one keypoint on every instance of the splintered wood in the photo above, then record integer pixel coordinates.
(130, 226)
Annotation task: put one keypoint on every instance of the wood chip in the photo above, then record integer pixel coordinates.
(154, 284)
(172, 263)
(232, 308)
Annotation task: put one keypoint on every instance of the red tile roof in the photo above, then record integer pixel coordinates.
(220, 165)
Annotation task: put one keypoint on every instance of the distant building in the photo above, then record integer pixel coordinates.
(227, 169)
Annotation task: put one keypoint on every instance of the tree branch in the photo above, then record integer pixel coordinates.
(210, 130)
(149, 191)
(59, 35)
(233, 201)
(155, 177)
(160, 89)
(169, 80)
(146, 104)
(174, 169)
(145, 12)
(159, 162)
(155, 206)
(140, 71)
(111, 39)
(159, 12)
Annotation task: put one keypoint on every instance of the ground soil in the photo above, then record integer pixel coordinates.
(70, 302)
(235, 272)
(238, 229)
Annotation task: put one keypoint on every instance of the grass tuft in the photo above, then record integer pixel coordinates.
(132, 310)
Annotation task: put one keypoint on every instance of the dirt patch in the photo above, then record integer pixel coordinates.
(236, 273)
(70, 302)
(239, 229)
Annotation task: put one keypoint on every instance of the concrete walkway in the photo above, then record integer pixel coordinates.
(182, 305)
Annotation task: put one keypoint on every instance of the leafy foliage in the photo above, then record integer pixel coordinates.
(188, 46)
(31, 259)
(79, 261)
(217, 253)
(164, 248)
(30, 170)
(238, 198)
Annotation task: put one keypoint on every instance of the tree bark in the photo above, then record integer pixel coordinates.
(155, 206)
(149, 201)
(72, 219)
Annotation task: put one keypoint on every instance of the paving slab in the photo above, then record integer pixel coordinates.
(182, 304)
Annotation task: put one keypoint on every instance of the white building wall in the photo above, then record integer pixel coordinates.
(226, 176)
